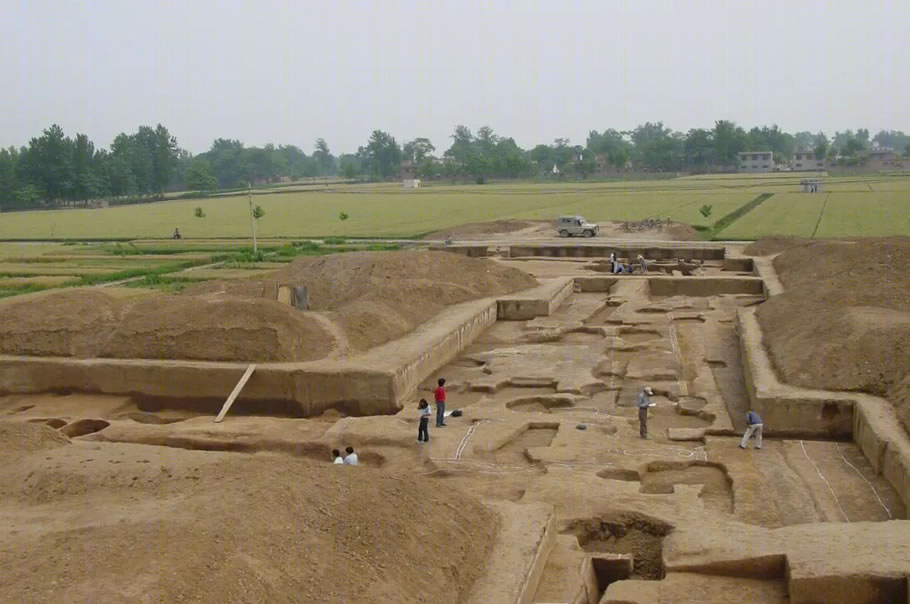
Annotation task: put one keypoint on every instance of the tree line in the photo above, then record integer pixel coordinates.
(650, 147)
(55, 169)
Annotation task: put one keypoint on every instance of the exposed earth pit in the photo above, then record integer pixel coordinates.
(544, 461)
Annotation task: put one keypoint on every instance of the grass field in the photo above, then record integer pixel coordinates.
(857, 205)
(28, 268)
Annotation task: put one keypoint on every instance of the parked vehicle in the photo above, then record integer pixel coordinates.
(576, 225)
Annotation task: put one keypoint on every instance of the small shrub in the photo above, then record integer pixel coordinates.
(334, 240)
(199, 213)
(343, 216)
(705, 210)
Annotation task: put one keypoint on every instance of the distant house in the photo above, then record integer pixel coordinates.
(885, 160)
(756, 161)
(804, 161)
(410, 183)
(408, 170)
(602, 164)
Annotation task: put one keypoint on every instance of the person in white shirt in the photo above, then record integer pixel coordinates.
(336, 457)
(423, 433)
(351, 458)
(643, 404)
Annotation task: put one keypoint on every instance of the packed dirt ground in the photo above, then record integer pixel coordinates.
(357, 300)
(109, 498)
(102, 522)
(537, 230)
(843, 321)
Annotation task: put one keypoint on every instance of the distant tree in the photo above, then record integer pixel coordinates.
(384, 154)
(821, 146)
(657, 147)
(200, 177)
(729, 140)
(705, 210)
(418, 150)
(8, 181)
(258, 212)
(907, 150)
(698, 149)
(852, 147)
(342, 216)
(199, 213)
(325, 161)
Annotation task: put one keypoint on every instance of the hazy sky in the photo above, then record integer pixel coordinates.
(289, 72)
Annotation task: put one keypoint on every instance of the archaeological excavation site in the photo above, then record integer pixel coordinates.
(177, 447)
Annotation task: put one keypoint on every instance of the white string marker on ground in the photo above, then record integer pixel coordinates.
(861, 475)
(836, 500)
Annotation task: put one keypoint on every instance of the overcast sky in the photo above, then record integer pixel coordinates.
(289, 72)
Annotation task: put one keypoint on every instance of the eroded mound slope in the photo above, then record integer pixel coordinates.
(375, 297)
(360, 300)
(127, 523)
(843, 322)
(768, 246)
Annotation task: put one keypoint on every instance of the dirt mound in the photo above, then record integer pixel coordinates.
(217, 328)
(492, 227)
(216, 527)
(68, 323)
(375, 297)
(843, 322)
(378, 296)
(774, 245)
(681, 232)
(22, 438)
(649, 229)
(362, 299)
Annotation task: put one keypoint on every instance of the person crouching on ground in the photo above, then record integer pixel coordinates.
(753, 426)
(351, 458)
(423, 432)
(336, 457)
(439, 394)
(644, 402)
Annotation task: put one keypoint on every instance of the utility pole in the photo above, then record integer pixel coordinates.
(249, 189)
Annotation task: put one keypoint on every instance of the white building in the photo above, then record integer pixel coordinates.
(804, 161)
(756, 161)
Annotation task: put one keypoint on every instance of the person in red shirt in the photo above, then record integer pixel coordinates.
(440, 395)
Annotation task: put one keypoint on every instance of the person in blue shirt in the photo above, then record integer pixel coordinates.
(753, 426)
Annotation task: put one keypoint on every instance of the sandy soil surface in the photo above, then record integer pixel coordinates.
(768, 246)
(101, 522)
(518, 230)
(359, 300)
(130, 502)
(843, 322)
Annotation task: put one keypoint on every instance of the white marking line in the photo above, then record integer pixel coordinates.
(836, 500)
(464, 441)
(861, 475)
(674, 344)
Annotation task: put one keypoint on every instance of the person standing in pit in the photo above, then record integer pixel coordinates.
(439, 394)
(753, 426)
(351, 458)
(644, 402)
(336, 457)
(423, 432)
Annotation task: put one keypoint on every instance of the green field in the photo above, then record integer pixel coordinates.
(870, 205)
